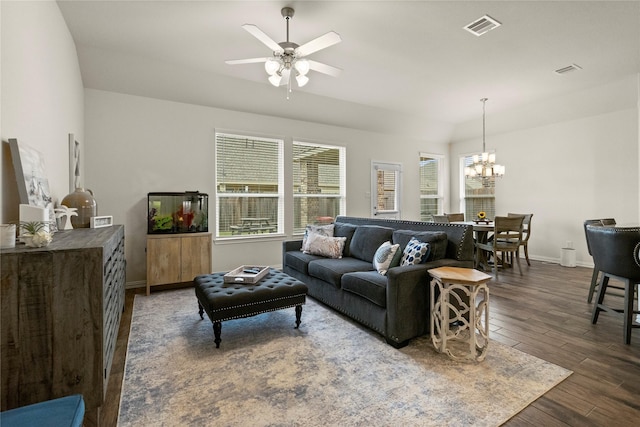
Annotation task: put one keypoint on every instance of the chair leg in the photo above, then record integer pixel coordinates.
(594, 283)
(628, 309)
(526, 253)
(515, 255)
(495, 263)
(604, 281)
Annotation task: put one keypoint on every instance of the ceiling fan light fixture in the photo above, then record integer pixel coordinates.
(302, 66)
(302, 80)
(271, 66)
(275, 79)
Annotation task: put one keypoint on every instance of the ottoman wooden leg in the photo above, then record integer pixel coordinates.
(200, 310)
(217, 328)
(298, 315)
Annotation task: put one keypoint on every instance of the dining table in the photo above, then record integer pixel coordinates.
(481, 231)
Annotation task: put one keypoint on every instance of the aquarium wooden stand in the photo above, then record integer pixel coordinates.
(177, 258)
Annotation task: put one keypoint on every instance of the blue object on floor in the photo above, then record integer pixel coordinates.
(61, 412)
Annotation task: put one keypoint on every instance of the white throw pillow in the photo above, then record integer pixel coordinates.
(330, 247)
(324, 230)
(384, 256)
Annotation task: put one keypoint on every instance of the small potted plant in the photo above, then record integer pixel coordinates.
(35, 234)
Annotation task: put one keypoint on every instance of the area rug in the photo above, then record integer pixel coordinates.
(329, 372)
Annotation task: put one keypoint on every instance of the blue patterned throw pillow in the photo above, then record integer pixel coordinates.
(415, 252)
(384, 256)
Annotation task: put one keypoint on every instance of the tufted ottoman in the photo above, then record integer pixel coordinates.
(225, 301)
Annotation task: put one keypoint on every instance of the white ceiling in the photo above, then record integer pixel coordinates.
(400, 58)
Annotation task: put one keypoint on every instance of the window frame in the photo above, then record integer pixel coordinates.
(342, 180)
(439, 197)
(279, 194)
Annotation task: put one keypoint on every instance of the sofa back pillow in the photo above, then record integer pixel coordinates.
(323, 230)
(343, 229)
(330, 247)
(437, 240)
(367, 239)
(416, 252)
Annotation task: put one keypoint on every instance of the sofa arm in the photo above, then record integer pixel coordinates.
(407, 302)
(290, 245)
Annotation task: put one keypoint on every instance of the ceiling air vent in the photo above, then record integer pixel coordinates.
(482, 25)
(568, 69)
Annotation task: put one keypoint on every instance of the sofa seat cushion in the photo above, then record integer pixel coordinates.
(331, 270)
(367, 284)
(299, 261)
(437, 240)
(367, 239)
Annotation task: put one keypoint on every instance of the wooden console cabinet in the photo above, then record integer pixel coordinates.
(177, 258)
(61, 309)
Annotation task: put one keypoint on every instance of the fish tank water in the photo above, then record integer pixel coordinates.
(186, 212)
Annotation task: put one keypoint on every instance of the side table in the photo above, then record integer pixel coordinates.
(465, 322)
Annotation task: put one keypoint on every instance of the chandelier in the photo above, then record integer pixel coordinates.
(484, 166)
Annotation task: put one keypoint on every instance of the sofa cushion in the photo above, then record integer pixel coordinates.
(331, 270)
(330, 247)
(415, 252)
(367, 284)
(324, 230)
(437, 240)
(299, 261)
(343, 229)
(367, 239)
(384, 256)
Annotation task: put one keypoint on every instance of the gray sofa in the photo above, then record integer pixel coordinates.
(395, 305)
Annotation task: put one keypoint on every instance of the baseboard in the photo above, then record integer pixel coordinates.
(136, 284)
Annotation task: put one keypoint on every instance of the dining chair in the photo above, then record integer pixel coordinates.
(594, 276)
(615, 253)
(507, 237)
(526, 232)
(455, 217)
(441, 218)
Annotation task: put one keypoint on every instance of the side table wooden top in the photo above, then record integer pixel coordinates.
(466, 276)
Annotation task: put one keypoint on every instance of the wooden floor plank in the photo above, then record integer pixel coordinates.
(544, 313)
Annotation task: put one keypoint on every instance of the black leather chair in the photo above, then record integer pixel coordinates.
(615, 253)
(594, 276)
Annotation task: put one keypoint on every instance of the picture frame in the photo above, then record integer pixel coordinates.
(31, 178)
(75, 175)
(101, 221)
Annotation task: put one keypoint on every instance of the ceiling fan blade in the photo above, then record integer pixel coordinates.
(260, 35)
(245, 61)
(319, 43)
(324, 68)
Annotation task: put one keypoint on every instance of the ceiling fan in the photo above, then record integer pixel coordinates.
(290, 58)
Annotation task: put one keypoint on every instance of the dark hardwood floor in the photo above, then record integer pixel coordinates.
(545, 313)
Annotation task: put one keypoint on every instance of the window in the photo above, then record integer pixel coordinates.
(478, 193)
(431, 186)
(318, 184)
(249, 185)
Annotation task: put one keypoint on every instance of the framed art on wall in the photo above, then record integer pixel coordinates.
(75, 179)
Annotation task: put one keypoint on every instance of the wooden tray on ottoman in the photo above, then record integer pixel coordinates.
(239, 275)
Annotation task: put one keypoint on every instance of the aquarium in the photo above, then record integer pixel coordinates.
(186, 212)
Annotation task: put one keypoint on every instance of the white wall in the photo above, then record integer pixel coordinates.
(138, 145)
(42, 94)
(566, 172)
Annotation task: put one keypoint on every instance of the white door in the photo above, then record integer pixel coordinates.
(386, 182)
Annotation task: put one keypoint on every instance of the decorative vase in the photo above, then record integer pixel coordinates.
(86, 206)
